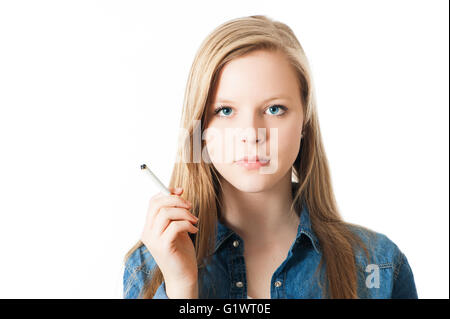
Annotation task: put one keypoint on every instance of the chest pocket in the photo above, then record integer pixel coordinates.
(375, 280)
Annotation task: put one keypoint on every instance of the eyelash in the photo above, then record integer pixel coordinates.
(221, 107)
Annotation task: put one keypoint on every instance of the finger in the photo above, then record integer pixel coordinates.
(157, 195)
(176, 190)
(172, 201)
(167, 215)
(156, 203)
(175, 228)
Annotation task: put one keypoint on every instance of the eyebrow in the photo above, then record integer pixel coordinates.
(277, 97)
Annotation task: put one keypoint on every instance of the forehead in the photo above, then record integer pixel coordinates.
(257, 75)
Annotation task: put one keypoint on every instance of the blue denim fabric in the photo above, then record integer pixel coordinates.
(386, 275)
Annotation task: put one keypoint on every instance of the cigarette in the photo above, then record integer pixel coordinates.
(155, 180)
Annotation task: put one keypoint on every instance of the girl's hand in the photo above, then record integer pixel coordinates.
(166, 236)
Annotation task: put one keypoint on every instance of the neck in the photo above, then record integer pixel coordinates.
(259, 215)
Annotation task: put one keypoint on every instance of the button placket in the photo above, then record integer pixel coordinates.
(237, 267)
(238, 284)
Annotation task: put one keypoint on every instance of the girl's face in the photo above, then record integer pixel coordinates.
(256, 110)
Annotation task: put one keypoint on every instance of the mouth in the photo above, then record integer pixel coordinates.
(252, 162)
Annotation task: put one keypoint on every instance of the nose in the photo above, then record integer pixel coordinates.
(252, 135)
(253, 131)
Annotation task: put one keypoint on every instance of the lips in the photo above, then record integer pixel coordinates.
(252, 162)
(254, 159)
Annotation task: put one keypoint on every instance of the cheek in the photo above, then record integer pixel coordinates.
(213, 149)
(217, 156)
(290, 151)
(287, 142)
(216, 146)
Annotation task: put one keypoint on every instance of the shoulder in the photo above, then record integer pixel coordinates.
(138, 268)
(381, 248)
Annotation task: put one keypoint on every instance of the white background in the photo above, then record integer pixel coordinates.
(90, 90)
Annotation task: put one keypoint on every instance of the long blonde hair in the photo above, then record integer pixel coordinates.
(200, 181)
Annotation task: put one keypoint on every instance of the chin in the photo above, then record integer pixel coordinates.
(249, 187)
(251, 183)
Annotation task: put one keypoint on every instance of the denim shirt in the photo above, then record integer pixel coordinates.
(387, 275)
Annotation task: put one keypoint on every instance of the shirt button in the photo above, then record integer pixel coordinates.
(239, 284)
(236, 243)
(277, 283)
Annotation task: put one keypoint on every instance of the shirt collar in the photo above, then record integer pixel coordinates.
(304, 227)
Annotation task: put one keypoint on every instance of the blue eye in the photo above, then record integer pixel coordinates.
(217, 110)
(274, 108)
